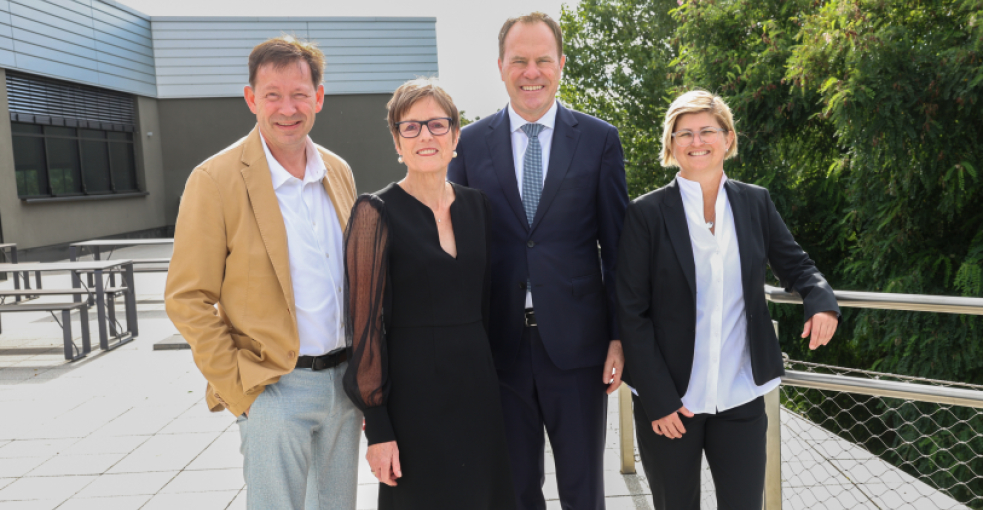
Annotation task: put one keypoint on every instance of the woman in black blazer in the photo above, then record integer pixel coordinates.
(699, 345)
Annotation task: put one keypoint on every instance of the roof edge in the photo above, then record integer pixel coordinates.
(287, 18)
(126, 8)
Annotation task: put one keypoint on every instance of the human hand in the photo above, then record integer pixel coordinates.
(247, 411)
(614, 366)
(671, 426)
(384, 461)
(820, 328)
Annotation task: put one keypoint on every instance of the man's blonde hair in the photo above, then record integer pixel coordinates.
(696, 101)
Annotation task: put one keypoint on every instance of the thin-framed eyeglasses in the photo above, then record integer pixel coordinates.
(413, 128)
(686, 137)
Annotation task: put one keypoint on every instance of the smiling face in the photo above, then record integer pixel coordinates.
(531, 67)
(426, 153)
(285, 101)
(700, 157)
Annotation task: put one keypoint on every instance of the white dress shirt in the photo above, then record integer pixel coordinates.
(721, 378)
(519, 143)
(314, 245)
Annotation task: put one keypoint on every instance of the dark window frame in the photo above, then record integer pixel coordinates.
(78, 138)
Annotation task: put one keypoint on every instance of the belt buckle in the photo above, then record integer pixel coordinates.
(527, 315)
(318, 364)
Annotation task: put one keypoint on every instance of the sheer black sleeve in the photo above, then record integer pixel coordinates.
(366, 269)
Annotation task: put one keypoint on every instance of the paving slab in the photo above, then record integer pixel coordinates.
(202, 500)
(57, 488)
(106, 503)
(208, 480)
(66, 465)
(128, 484)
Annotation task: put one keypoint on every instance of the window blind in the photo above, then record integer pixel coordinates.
(40, 100)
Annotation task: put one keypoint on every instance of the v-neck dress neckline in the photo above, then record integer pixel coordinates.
(436, 229)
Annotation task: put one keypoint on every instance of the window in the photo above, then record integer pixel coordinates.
(62, 161)
(70, 139)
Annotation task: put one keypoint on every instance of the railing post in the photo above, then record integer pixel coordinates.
(626, 430)
(773, 455)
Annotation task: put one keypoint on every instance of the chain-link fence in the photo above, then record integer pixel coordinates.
(849, 450)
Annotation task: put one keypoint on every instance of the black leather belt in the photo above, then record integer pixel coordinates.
(329, 360)
(530, 318)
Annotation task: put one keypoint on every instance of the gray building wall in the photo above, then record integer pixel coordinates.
(352, 126)
(187, 75)
(206, 57)
(85, 41)
(54, 222)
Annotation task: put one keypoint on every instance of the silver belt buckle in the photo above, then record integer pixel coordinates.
(530, 318)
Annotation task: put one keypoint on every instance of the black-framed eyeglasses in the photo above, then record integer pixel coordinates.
(686, 137)
(413, 128)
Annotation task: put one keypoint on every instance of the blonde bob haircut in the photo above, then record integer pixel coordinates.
(696, 101)
(414, 91)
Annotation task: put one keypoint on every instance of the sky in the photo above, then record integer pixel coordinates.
(467, 33)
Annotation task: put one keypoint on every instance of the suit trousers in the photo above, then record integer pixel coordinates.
(734, 444)
(300, 444)
(572, 405)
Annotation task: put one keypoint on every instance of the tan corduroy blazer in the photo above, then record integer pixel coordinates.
(230, 249)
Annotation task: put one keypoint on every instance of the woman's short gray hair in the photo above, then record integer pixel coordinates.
(696, 101)
(414, 91)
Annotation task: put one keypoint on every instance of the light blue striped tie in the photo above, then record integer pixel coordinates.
(532, 171)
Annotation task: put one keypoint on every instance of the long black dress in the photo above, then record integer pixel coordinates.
(420, 367)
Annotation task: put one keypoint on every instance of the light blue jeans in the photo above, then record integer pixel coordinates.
(300, 444)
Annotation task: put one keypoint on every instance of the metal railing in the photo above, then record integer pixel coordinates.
(862, 438)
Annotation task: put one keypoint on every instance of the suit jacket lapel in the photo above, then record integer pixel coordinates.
(565, 137)
(742, 219)
(331, 185)
(266, 209)
(500, 147)
(675, 217)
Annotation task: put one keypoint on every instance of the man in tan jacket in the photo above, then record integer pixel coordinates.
(259, 234)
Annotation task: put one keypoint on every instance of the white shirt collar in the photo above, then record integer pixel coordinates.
(693, 188)
(548, 120)
(314, 172)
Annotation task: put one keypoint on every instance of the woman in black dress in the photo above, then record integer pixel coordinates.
(417, 291)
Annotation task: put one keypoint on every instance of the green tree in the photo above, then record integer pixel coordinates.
(901, 83)
(465, 120)
(618, 68)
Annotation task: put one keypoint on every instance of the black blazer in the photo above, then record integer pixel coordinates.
(657, 289)
(582, 207)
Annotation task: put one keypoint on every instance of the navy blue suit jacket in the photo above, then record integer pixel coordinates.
(582, 208)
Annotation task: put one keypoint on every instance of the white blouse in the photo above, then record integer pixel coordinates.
(721, 378)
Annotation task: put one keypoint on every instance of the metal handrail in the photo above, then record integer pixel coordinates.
(888, 301)
(881, 388)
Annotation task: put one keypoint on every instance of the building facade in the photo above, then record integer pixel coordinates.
(104, 111)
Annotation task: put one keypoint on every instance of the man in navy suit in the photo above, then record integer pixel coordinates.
(556, 182)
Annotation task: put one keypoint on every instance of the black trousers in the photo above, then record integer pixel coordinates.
(572, 406)
(734, 444)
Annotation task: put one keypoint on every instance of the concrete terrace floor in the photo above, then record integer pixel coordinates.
(128, 429)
